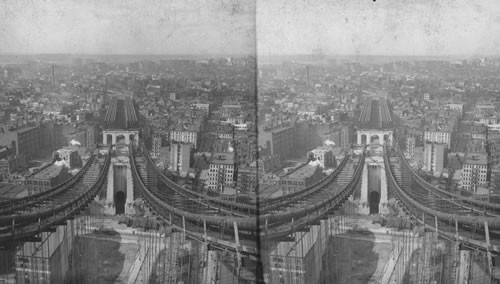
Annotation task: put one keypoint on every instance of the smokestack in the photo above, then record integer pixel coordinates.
(53, 76)
(308, 78)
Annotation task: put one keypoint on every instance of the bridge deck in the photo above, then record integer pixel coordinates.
(451, 217)
(34, 218)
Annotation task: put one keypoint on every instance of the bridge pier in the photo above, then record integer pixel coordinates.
(109, 191)
(374, 197)
(111, 136)
(114, 187)
(364, 136)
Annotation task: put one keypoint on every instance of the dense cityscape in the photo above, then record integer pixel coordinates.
(242, 142)
(199, 122)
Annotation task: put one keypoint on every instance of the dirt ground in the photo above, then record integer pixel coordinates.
(103, 259)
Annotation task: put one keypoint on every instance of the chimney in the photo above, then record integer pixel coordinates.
(53, 76)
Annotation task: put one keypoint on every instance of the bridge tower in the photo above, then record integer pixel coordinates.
(121, 129)
(374, 130)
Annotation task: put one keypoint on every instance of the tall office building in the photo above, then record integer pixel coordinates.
(156, 145)
(187, 136)
(345, 136)
(180, 157)
(28, 142)
(438, 136)
(280, 140)
(475, 172)
(91, 136)
(410, 147)
(435, 157)
(495, 179)
(221, 171)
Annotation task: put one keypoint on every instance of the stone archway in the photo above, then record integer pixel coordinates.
(120, 139)
(386, 138)
(131, 139)
(374, 201)
(365, 137)
(112, 137)
(120, 199)
(374, 138)
(109, 139)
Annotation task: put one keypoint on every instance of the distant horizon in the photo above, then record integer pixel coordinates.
(262, 60)
(379, 55)
(125, 54)
(326, 55)
(12, 58)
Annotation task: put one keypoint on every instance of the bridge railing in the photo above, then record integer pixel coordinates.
(264, 205)
(274, 203)
(9, 206)
(418, 209)
(312, 215)
(247, 223)
(194, 194)
(422, 182)
(26, 225)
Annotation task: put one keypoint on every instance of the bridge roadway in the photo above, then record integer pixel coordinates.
(29, 217)
(249, 228)
(450, 218)
(385, 114)
(365, 114)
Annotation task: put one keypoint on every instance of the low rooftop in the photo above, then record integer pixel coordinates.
(49, 172)
(302, 172)
(223, 158)
(476, 159)
(24, 130)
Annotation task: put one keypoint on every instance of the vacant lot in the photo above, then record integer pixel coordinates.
(356, 260)
(102, 259)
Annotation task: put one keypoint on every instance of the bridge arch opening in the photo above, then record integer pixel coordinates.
(374, 200)
(131, 138)
(363, 139)
(109, 139)
(374, 139)
(120, 199)
(386, 138)
(120, 138)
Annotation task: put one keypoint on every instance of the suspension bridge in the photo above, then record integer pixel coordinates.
(238, 228)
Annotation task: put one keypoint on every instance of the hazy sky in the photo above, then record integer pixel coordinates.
(127, 26)
(364, 27)
(384, 27)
